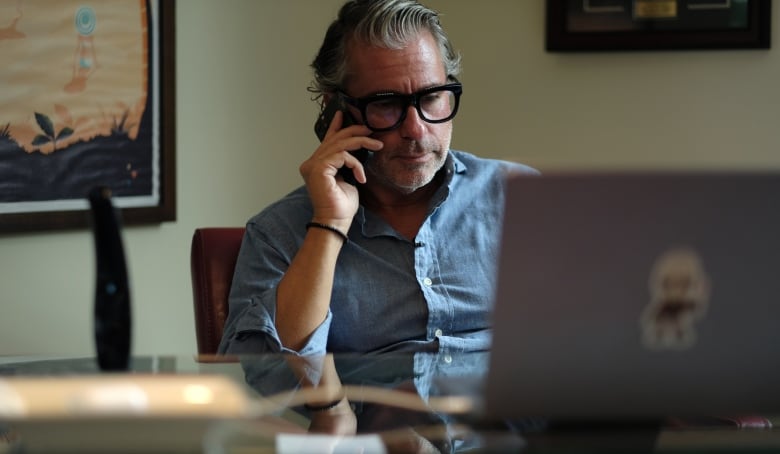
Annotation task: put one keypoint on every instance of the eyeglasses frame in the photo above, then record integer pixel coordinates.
(412, 99)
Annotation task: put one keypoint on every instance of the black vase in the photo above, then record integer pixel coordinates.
(112, 322)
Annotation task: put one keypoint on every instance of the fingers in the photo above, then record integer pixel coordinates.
(332, 197)
(339, 144)
(336, 132)
(354, 165)
(335, 123)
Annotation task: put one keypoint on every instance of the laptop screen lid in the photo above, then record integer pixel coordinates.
(638, 295)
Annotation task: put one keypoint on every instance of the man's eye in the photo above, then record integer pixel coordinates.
(431, 98)
(389, 103)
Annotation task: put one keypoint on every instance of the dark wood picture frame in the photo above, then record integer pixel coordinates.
(569, 30)
(165, 208)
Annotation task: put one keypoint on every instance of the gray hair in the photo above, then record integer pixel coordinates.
(389, 24)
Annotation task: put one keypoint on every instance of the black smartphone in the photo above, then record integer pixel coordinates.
(321, 127)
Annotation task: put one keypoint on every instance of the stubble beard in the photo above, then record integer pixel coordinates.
(406, 178)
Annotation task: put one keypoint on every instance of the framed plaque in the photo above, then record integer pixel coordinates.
(609, 25)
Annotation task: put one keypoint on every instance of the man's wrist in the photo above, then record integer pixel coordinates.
(331, 228)
(324, 406)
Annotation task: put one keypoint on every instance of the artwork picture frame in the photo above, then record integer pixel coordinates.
(628, 25)
(91, 103)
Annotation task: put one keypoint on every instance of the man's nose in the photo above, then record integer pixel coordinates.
(413, 126)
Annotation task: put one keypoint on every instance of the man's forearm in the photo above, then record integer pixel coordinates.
(303, 295)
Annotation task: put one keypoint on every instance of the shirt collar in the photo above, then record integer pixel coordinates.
(457, 164)
(372, 225)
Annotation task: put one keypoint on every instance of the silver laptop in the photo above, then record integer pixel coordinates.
(638, 295)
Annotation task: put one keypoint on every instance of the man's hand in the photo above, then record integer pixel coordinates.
(336, 201)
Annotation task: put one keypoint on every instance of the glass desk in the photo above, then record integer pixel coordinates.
(393, 403)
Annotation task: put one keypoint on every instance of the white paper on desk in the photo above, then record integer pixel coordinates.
(297, 443)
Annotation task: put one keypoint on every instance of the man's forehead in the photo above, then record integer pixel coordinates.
(375, 69)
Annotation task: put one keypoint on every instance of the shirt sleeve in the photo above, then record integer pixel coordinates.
(265, 256)
(513, 169)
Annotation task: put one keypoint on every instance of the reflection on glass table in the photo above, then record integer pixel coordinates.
(342, 403)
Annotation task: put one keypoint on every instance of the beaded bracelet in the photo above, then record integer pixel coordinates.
(328, 227)
(324, 407)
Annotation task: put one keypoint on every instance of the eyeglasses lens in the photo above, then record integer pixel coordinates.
(433, 106)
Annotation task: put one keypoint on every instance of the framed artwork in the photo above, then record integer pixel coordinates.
(608, 25)
(88, 100)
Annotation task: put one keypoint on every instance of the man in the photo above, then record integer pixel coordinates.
(404, 259)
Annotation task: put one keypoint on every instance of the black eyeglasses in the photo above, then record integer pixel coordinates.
(386, 111)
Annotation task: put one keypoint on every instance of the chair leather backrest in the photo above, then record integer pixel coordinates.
(213, 257)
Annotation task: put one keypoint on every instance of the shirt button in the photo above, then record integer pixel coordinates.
(427, 281)
(438, 333)
(447, 359)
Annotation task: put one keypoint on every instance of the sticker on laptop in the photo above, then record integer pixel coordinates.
(679, 297)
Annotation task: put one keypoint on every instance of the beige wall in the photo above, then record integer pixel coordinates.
(244, 125)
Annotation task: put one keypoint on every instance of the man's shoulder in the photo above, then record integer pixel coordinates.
(294, 205)
(469, 162)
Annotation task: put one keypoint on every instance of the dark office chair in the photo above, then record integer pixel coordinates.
(212, 260)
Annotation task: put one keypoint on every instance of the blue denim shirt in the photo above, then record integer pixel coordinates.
(433, 294)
